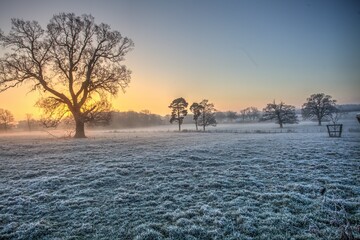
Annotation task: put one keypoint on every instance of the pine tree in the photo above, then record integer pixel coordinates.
(178, 111)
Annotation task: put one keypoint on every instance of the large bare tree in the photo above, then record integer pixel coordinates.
(75, 63)
(281, 113)
(318, 106)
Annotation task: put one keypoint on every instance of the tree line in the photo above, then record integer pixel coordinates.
(319, 107)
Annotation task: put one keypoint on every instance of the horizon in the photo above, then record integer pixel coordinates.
(236, 55)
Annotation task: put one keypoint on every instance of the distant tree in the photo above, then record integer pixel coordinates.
(250, 114)
(146, 112)
(25, 124)
(178, 111)
(196, 109)
(100, 119)
(244, 113)
(29, 120)
(207, 117)
(231, 115)
(336, 114)
(6, 118)
(75, 63)
(254, 114)
(220, 116)
(131, 119)
(318, 106)
(281, 113)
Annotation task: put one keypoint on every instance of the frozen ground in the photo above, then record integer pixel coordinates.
(233, 183)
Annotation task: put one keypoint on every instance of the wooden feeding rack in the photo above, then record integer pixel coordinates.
(334, 130)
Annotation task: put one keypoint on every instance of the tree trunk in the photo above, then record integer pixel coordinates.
(179, 120)
(29, 125)
(80, 129)
(281, 125)
(319, 122)
(203, 120)
(196, 124)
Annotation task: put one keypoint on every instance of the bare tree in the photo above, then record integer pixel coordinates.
(29, 120)
(6, 118)
(281, 113)
(231, 115)
(178, 111)
(254, 113)
(318, 106)
(244, 113)
(336, 114)
(196, 109)
(250, 114)
(75, 63)
(207, 117)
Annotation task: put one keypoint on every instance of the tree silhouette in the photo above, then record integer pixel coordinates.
(254, 114)
(178, 111)
(6, 118)
(318, 106)
(250, 113)
(196, 109)
(231, 115)
(75, 63)
(281, 113)
(29, 120)
(207, 116)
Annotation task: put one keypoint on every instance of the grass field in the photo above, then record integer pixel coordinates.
(299, 184)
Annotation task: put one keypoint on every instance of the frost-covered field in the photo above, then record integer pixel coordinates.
(226, 184)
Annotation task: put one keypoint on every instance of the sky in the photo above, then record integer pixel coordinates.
(236, 54)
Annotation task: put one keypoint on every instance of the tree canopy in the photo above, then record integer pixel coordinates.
(178, 111)
(196, 109)
(75, 64)
(231, 115)
(207, 116)
(6, 118)
(318, 106)
(281, 113)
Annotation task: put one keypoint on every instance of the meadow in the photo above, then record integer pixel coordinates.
(234, 182)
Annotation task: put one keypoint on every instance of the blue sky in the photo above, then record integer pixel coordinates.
(234, 53)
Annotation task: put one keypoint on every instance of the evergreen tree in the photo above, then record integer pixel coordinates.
(178, 111)
(196, 109)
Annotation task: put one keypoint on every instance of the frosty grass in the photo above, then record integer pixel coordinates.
(224, 184)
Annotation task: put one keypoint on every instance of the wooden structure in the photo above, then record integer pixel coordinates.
(334, 130)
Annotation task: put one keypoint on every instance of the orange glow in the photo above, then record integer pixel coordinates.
(19, 101)
(155, 96)
(154, 89)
